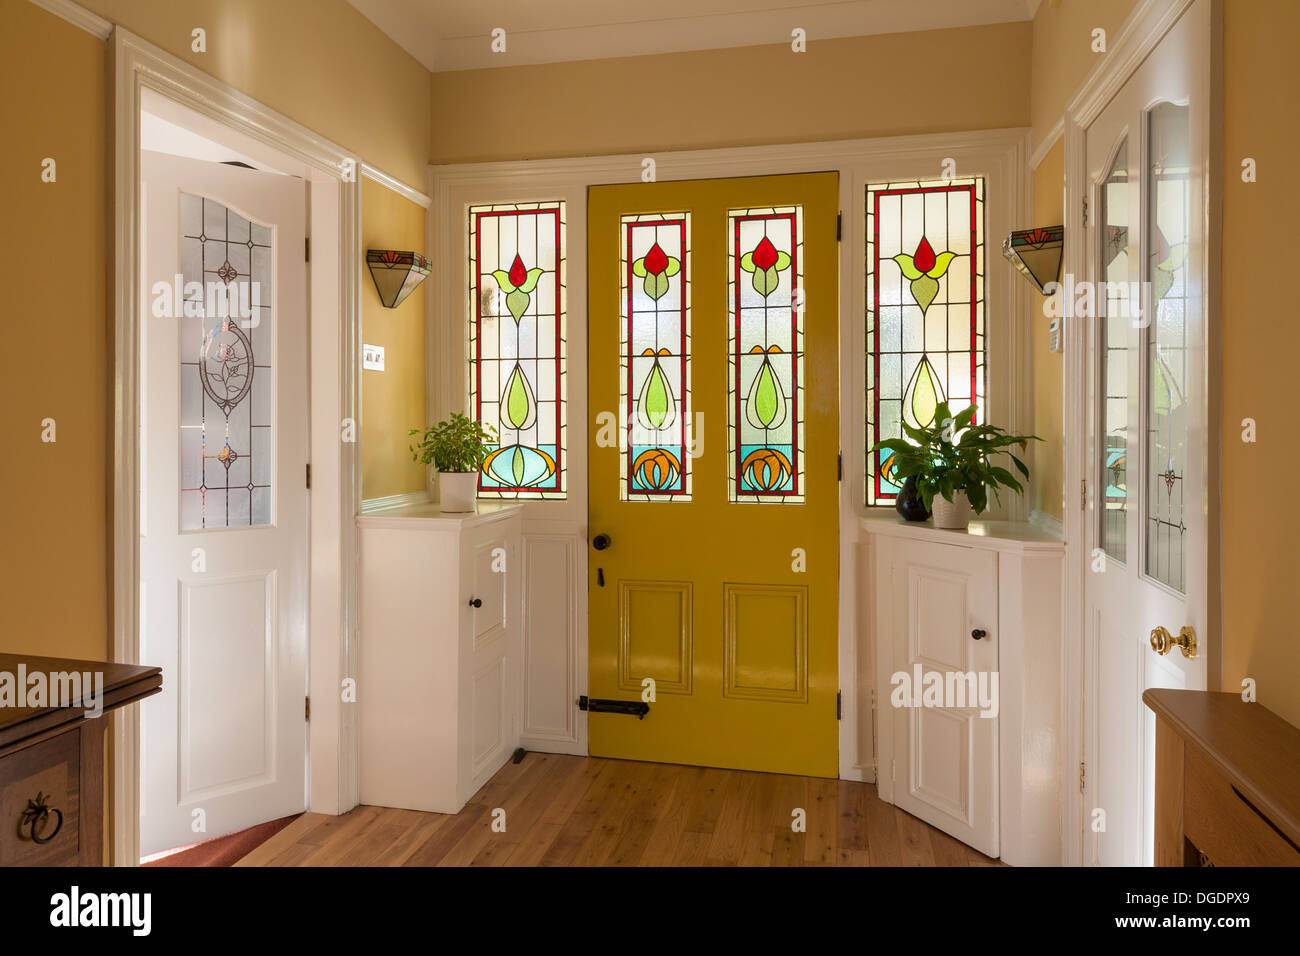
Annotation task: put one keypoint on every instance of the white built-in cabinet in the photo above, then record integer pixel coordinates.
(440, 653)
(975, 607)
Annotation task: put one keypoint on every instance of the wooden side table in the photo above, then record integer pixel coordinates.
(52, 756)
(1227, 781)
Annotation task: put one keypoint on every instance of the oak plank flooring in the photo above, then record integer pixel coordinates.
(563, 810)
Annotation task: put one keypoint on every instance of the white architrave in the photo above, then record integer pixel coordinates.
(999, 155)
(335, 355)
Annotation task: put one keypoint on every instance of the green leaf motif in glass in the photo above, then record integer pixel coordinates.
(924, 289)
(656, 406)
(925, 395)
(517, 303)
(517, 402)
(656, 285)
(766, 405)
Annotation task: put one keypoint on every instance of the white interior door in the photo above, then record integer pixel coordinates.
(944, 621)
(223, 548)
(1147, 536)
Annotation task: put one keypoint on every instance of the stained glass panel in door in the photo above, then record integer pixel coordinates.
(227, 368)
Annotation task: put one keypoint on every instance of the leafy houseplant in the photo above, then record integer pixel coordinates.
(457, 447)
(951, 462)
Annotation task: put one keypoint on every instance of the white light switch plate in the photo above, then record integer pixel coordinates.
(1055, 342)
(372, 356)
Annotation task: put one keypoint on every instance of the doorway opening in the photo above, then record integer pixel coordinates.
(224, 502)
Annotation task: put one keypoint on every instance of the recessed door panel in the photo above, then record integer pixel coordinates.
(655, 642)
(227, 680)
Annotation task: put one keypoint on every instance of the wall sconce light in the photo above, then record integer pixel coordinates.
(1036, 253)
(396, 274)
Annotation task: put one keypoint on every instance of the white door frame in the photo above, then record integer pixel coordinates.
(1141, 32)
(1000, 155)
(335, 308)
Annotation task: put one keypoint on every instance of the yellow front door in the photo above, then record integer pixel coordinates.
(713, 378)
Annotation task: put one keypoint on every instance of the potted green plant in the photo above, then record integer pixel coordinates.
(457, 448)
(950, 464)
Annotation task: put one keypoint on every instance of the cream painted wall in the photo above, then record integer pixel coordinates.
(319, 62)
(1063, 54)
(392, 401)
(960, 79)
(1260, 526)
(54, 566)
(56, 582)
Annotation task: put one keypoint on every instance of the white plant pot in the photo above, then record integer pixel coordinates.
(457, 491)
(955, 514)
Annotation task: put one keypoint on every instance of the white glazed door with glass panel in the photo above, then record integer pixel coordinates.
(223, 546)
(1147, 539)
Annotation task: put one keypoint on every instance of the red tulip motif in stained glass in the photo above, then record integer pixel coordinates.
(766, 262)
(655, 268)
(923, 269)
(518, 285)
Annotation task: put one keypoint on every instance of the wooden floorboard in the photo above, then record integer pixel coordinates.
(562, 810)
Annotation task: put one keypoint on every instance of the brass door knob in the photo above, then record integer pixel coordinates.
(1162, 642)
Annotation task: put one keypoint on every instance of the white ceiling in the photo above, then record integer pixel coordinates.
(456, 34)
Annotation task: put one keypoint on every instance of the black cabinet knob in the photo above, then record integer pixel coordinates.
(475, 602)
(601, 542)
(979, 633)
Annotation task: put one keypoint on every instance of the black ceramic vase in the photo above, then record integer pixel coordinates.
(909, 503)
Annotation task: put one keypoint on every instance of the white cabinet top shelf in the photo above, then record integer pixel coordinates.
(989, 535)
(425, 516)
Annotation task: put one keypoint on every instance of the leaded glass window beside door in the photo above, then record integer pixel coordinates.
(925, 311)
(516, 345)
(1165, 393)
(227, 368)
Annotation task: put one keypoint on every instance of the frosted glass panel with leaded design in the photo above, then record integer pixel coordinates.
(765, 380)
(1166, 392)
(925, 310)
(516, 345)
(1112, 530)
(227, 369)
(655, 357)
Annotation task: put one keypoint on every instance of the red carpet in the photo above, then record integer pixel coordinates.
(225, 850)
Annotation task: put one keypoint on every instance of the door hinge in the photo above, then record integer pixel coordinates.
(309, 475)
(1083, 494)
(307, 249)
(839, 226)
(839, 705)
(839, 467)
(306, 709)
(1083, 774)
(1085, 210)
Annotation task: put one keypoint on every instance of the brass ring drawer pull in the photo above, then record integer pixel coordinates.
(36, 813)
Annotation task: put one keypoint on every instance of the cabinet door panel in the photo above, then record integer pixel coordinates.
(944, 688)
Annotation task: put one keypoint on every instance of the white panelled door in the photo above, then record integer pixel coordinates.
(943, 622)
(223, 547)
(1147, 527)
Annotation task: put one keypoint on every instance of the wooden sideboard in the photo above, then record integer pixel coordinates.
(52, 757)
(1227, 782)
